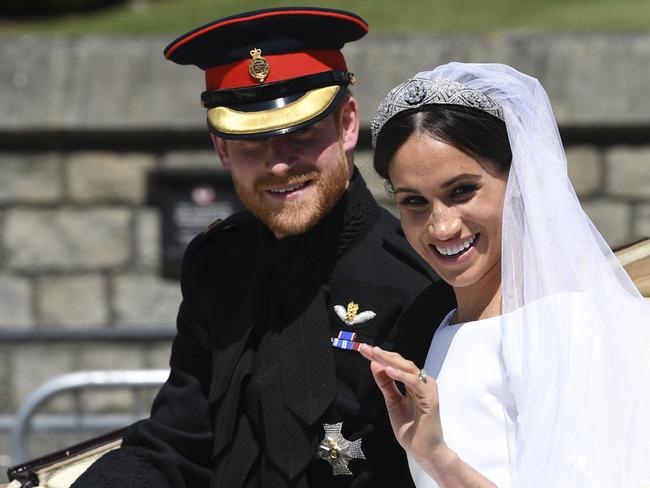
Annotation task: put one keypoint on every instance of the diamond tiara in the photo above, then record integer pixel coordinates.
(416, 92)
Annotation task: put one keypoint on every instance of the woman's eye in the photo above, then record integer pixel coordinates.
(464, 191)
(412, 201)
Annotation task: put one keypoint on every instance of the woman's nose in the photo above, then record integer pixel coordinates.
(444, 225)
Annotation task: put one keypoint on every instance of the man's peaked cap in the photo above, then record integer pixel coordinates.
(270, 71)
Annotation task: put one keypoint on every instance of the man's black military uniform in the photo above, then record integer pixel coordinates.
(266, 389)
(254, 374)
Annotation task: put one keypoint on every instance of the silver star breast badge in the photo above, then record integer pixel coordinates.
(337, 450)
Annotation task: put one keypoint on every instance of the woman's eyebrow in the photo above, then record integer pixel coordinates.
(404, 189)
(462, 177)
(456, 179)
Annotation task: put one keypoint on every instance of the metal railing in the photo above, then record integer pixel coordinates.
(24, 420)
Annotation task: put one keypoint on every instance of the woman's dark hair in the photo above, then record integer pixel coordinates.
(468, 129)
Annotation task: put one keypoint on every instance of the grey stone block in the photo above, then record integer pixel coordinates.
(147, 396)
(126, 401)
(133, 87)
(91, 82)
(585, 169)
(642, 224)
(612, 219)
(7, 404)
(110, 357)
(67, 239)
(578, 71)
(148, 239)
(30, 178)
(5, 455)
(145, 301)
(33, 365)
(363, 161)
(628, 172)
(376, 184)
(103, 176)
(157, 355)
(191, 159)
(2, 234)
(76, 301)
(15, 302)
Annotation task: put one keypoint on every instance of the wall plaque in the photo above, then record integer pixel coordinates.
(188, 200)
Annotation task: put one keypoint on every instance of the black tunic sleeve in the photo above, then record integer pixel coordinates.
(172, 448)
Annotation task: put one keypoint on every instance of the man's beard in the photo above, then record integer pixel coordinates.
(296, 217)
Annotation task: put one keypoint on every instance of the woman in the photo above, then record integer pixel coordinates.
(539, 378)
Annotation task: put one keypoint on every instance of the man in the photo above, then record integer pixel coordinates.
(266, 388)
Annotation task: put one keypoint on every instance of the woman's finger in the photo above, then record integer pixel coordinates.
(388, 358)
(411, 381)
(424, 395)
(388, 367)
(366, 351)
(386, 384)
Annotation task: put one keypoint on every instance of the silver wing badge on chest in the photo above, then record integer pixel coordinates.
(351, 315)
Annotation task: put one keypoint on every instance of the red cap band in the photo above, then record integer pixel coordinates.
(281, 67)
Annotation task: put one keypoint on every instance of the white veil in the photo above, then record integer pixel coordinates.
(575, 331)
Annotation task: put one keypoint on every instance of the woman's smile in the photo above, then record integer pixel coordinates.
(458, 253)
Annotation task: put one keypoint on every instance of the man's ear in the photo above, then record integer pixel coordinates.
(349, 123)
(222, 150)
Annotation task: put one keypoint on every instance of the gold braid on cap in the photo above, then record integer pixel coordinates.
(417, 92)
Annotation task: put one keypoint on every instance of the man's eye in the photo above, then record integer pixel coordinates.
(304, 133)
(247, 145)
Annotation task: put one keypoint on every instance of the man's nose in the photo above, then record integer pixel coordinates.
(444, 224)
(281, 155)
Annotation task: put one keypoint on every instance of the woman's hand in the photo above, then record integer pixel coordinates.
(415, 417)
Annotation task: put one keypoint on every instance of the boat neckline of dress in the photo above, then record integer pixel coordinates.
(446, 321)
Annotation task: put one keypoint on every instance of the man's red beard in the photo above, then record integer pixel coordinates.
(296, 217)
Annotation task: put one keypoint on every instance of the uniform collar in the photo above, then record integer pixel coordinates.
(336, 232)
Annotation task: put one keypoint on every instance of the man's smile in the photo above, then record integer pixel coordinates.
(289, 191)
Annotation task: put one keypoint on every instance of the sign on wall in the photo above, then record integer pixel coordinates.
(189, 201)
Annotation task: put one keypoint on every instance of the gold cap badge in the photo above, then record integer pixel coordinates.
(259, 67)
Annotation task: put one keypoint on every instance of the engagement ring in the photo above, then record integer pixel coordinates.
(422, 376)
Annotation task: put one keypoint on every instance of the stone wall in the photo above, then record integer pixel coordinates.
(83, 122)
(80, 248)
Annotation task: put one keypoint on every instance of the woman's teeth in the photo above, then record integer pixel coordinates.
(288, 188)
(452, 251)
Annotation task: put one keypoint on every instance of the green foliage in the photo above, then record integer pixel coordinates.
(44, 8)
(433, 16)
